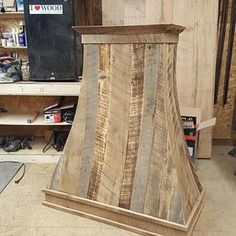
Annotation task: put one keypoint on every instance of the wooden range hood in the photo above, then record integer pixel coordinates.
(126, 162)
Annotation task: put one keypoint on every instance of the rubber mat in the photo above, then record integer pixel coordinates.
(7, 172)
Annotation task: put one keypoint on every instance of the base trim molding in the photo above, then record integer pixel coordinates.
(119, 217)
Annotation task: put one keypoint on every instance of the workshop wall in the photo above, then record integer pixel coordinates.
(196, 50)
(225, 89)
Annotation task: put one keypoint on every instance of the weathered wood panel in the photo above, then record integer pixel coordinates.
(117, 133)
(102, 121)
(147, 126)
(88, 12)
(162, 168)
(134, 124)
(91, 62)
(82, 142)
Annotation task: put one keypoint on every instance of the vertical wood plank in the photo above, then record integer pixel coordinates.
(134, 12)
(88, 12)
(147, 127)
(76, 158)
(135, 115)
(70, 161)
(153, 12)
(184, 14)
(90, 75)
(102, 121)
(167, 11)
(189, 191)
(113, 12)
(117, 133)
(162, 174)
(207, 49)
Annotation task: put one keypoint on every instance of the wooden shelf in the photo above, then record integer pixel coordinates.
(41, 89)
(12, 15)
(13, 49)
(11, 118)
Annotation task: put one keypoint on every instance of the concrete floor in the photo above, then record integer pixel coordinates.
(21, 212)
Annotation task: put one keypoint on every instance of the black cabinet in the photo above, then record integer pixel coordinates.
(52, 48)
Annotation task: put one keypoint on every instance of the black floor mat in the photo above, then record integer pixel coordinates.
(7, 172)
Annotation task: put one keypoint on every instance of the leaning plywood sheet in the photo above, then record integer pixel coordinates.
(126, 162)
(206, 49)
(196, 49)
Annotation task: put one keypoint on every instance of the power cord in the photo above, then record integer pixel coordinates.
(50, 144)
(68, 117)
(23, 174)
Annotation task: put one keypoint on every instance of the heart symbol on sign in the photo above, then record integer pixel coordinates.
(37, 8)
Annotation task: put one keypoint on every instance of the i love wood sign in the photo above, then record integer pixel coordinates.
(46, 9)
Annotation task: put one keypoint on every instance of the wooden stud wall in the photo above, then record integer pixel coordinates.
(225, 113)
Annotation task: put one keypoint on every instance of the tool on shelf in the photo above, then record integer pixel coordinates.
(10, 70)
(32, 117)
(3, 110)
(14, 143)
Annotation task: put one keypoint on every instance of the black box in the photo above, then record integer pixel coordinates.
(190, 132)
(52, 46)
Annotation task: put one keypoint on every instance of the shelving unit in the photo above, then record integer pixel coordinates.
(15, 118)
(19, 119)
(41, 89)
(13, 49)
(9, 20)
(23, 98)
(12, 15)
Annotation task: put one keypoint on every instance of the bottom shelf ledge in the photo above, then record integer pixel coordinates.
(35, 155)
(16, 118)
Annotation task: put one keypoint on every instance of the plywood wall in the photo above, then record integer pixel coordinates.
(196, 49)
